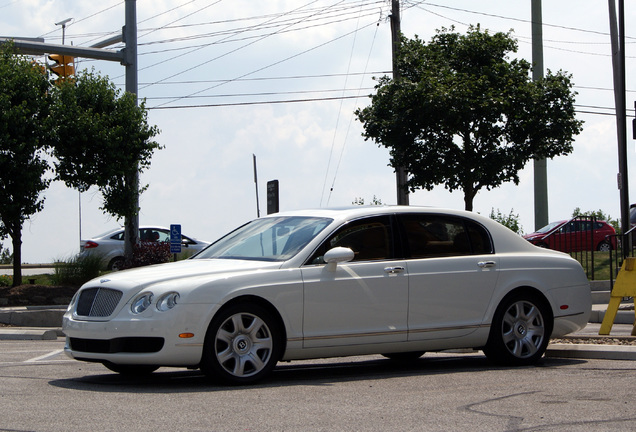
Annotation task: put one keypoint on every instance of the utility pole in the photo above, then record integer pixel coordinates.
(131, 231)
(400, 172)
(540, 165)
(617, 37)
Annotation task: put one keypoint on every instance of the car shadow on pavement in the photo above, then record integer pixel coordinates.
(318, 373)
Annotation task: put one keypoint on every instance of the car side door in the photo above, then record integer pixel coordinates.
(358, 302)
(452, 272)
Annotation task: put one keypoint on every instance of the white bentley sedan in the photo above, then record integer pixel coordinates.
(396, 281)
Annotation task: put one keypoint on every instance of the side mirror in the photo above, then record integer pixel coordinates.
(337, 255)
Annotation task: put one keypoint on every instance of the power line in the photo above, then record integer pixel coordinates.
(283, 60)
(251, 103)
(273, 93)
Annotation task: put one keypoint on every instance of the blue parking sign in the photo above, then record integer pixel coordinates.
(175, 239)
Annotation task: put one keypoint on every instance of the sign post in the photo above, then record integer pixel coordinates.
(175, 240)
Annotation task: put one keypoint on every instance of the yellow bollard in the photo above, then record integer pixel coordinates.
(625, 286)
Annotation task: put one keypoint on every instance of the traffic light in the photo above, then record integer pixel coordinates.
(64, 65)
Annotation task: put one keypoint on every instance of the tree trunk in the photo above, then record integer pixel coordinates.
(16, 241)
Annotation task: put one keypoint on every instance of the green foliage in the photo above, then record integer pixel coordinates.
(464, 115)
(599, 215)
(102, 139)
(374, 201)
(76, 271)
(6, 257)
(510, 220)
(5, 280)
(24, 138)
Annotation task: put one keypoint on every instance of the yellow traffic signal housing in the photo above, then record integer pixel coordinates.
(64, 65)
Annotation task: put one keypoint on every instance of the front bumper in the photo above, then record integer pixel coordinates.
(171, 338)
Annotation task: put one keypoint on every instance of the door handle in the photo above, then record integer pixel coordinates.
(394, 270)
(486, 264)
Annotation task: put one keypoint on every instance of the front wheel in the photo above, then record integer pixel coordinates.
(520, 331)
(243, 344)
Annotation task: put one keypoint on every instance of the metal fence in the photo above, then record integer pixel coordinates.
(584, 238)
(625, 248)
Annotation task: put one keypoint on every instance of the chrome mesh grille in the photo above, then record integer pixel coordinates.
(98, 302)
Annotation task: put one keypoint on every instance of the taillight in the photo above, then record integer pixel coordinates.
(90, 245)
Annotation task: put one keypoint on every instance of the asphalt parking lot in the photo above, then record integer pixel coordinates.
(42, 390)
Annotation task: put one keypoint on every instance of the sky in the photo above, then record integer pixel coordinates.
(225, 81)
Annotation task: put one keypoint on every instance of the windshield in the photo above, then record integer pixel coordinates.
(549, 227)
(267, 239)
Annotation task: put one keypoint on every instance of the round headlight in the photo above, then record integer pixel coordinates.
(141, 303)
(167, 301)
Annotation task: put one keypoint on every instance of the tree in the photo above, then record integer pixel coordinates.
(466, 116)
(510, 220)
(102, 139)
(24, 137)
(374, 201)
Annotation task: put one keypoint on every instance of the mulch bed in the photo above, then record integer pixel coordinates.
(36, 295)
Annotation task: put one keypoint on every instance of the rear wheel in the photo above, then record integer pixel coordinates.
(243, 344)
(604, 246)
(116, 264)
(520, 330)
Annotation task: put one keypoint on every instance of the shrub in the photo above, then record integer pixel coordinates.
(5, 280)
(77, 270)
(148, 253)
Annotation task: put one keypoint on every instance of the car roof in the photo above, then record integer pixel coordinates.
(505, 239)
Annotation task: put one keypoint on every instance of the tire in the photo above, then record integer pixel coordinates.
(242, 345)
(131, 370)
(116, 264)
(404, 356)
(604, 247)
(520, 330)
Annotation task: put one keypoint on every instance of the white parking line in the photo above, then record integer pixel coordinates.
(45, 356)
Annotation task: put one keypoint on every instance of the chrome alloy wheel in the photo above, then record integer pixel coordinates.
(243, 345)
(523, 329)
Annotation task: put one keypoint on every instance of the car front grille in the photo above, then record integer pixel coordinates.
(98, 302)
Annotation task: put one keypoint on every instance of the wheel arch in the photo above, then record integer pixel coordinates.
(260, 301)
(526, 289)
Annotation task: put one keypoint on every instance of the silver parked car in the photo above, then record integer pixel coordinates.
(110, 245)
(397, 281)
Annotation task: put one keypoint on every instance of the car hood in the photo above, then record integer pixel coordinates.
(203, 269)
(534, 234)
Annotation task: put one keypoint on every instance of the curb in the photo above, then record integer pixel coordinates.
(591, 351)
(45, 316)
(28, 334)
